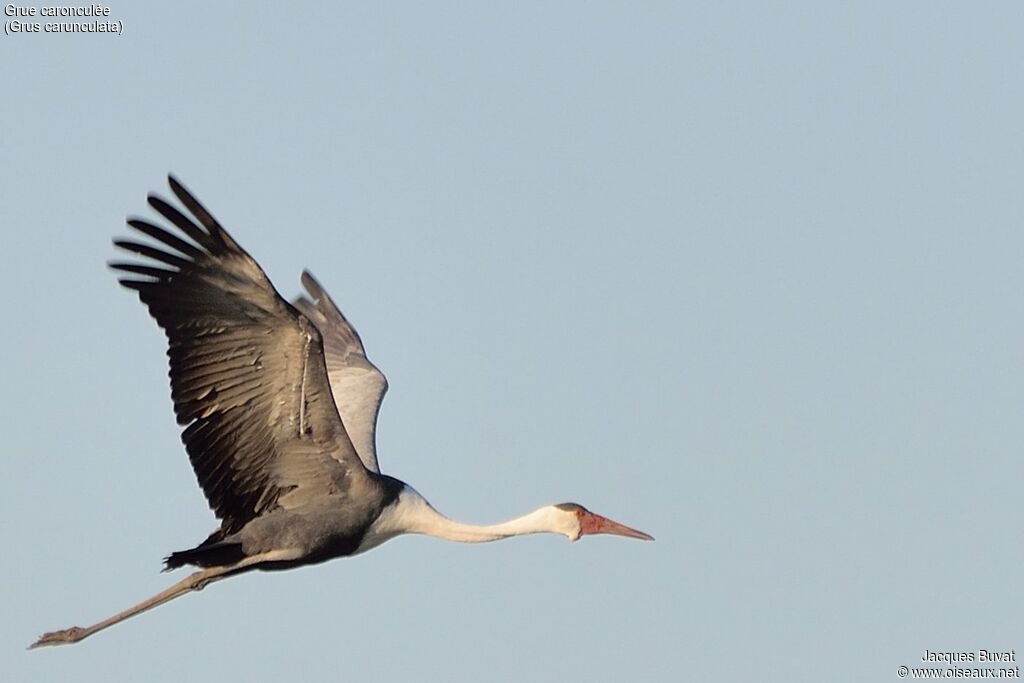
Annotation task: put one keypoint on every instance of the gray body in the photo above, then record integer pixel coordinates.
(318, 531)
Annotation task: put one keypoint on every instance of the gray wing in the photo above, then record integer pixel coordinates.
(357, 385)
(247, 371)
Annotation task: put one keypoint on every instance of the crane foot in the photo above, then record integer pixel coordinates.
(63, 637)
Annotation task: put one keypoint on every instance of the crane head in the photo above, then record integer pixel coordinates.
(583, 522)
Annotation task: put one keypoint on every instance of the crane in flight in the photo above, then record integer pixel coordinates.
(279, 407)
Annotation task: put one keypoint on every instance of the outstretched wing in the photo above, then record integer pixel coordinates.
(357, 385)
(247, 371)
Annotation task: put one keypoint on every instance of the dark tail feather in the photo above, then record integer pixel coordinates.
(206, 554)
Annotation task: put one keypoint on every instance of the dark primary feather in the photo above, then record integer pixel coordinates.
(343, 338)
(248, 377)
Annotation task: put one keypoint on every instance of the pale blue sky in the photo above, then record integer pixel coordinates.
(746, 276)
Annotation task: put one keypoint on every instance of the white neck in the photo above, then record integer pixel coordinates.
(439, 526)
(412, 514)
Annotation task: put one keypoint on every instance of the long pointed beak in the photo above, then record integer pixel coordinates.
(596, 524)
